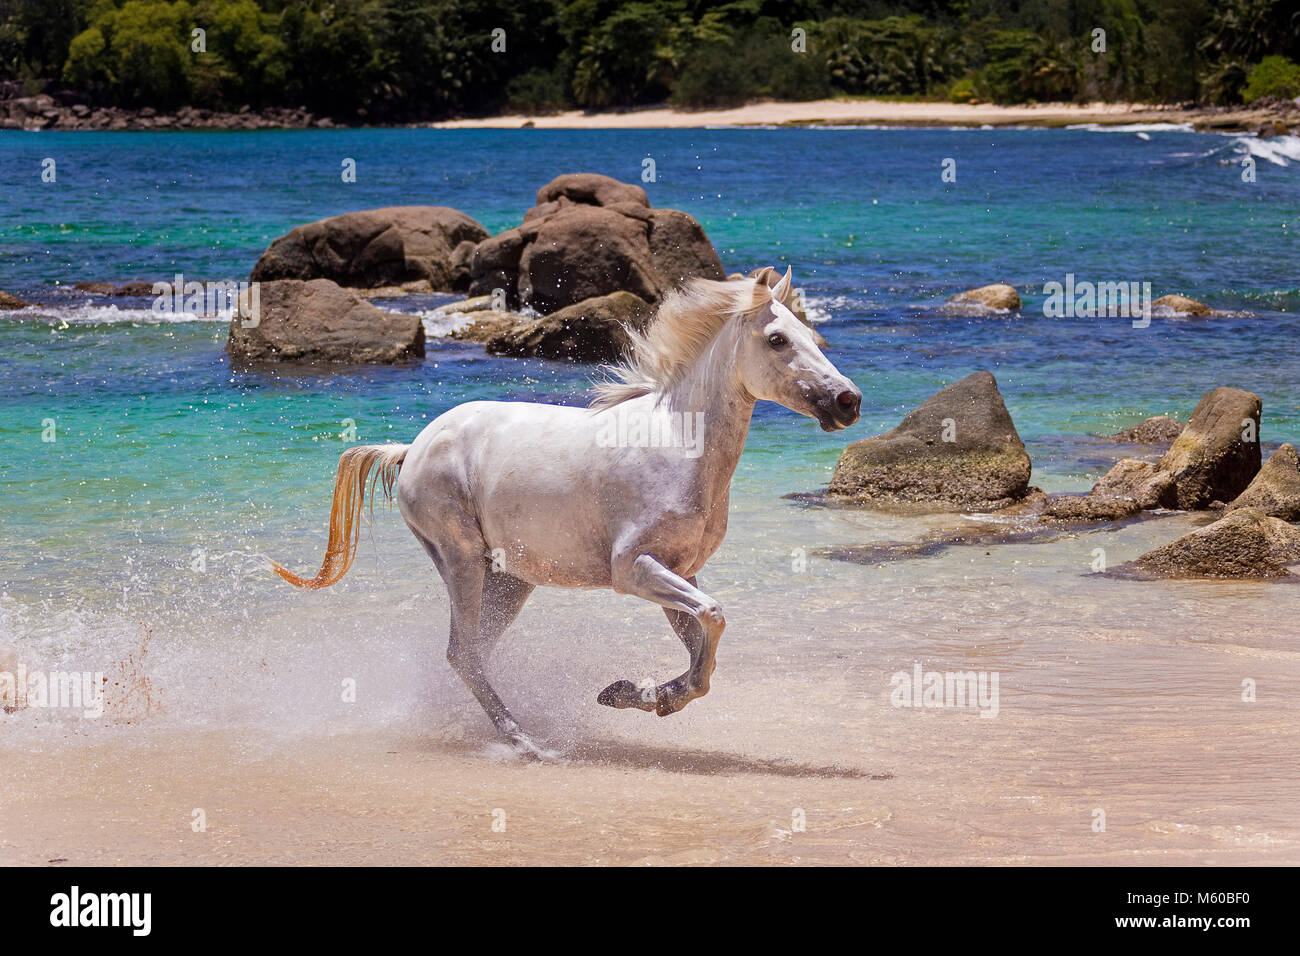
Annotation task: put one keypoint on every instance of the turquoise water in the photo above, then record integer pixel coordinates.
(163, 451)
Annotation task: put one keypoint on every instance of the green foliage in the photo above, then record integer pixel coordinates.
(139, 54)
(398, 60)
(1273, 76)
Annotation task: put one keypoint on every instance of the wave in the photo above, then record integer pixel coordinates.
(1280, 150)
(89, 314)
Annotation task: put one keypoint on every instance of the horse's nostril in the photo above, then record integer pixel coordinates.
(847, 399)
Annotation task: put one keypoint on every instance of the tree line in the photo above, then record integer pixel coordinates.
(380, 61)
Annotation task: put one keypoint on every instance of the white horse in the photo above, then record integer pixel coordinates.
(630, 493)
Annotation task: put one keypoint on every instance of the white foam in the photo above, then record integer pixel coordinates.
(1134, 128)
(90, 314)
(1279, 150)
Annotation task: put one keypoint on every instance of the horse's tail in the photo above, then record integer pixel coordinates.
(345, 516)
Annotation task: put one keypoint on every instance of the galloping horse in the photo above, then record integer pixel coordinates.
(505, 496)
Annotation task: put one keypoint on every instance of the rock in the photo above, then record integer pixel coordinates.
(1212, 458)
(418, 287)
(983, 467)
(1132, 479)
(1275, 491)
(1160, 430)
(138, 289)
(479, 303)
(999, 296)
(594, 330)
(1181, 305)
(486, 324)
(1089, 508)
(319, 321)
(378, 247)
(1243, 544)
(589, 236)
(8, 301)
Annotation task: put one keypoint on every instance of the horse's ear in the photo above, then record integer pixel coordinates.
(783, 291)
(763, 275)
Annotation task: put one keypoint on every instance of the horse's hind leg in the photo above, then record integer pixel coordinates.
(483, 604)
(695, 617)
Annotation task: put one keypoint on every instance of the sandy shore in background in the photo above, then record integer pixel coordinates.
(886, 113)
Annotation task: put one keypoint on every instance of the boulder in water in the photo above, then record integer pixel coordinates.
(1275, 491)
(1243, 544)
(957, 451)
(378, 247)
(320, 321)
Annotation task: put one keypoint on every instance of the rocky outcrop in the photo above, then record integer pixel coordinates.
(594, 330)
(378, 247)
(319, 321)
(1180, 305)
(589, 236)
(1160, 430)
(8, 301)
(49, 112)
(958, 451)
(999, 296)
(1212, 459)
(1243, 544)
(1275, 491)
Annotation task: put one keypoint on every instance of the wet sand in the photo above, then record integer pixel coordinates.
(1116, 696)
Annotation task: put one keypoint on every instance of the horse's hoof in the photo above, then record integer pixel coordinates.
(523, 746)
(623, 694)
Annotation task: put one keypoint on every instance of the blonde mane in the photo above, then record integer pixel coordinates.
(686, 326)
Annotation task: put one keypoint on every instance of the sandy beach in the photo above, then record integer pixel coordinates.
(855, 112)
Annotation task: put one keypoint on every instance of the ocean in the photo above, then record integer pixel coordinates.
(135, 542)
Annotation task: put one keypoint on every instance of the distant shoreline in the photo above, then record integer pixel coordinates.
(43, 112)
(847, 112)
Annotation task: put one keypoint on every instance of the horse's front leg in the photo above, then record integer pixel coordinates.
(695, 617)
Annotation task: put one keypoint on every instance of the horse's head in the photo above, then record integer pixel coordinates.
(779, 360)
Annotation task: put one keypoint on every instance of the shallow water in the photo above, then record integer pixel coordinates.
(135, 542)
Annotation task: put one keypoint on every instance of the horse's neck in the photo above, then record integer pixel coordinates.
(722, 409)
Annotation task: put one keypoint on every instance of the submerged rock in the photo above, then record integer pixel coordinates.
(957, 451)
(1181, 305)
(8, 301)
(589, 236)
(1275, 491)
(998, 296)
(378, 247)
(1243, 544)
(594, 330)
(1159, 430)
(1089, 508)
(319, 321)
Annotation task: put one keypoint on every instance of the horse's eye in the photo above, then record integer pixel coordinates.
(776, 340)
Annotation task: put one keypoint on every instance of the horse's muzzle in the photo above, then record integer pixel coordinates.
(839, 410)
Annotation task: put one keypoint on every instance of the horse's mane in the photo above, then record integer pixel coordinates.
(687, 323)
